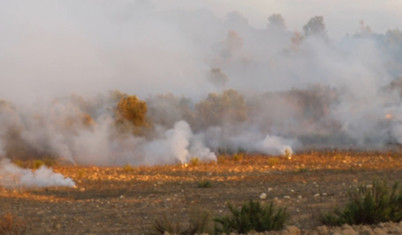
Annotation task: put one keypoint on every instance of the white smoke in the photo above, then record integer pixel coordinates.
(250, 140)
(13, 176)
(178, 144)
(299, 90)
(274, 145)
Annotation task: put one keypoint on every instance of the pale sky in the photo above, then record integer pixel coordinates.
(341, 16)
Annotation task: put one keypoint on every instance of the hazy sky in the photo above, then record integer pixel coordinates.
(341, 16)
(50, 47)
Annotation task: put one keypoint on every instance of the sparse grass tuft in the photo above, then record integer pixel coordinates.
(273, 161)
(199, 222)
(252, 217)
(204, 184)
(194, 161)
(11, 225)
(221, 159)
(37, 163)
(369, 205)
(396, 156)
(238, 157)
(19, 163)
(82, 172)
(49, 161)
(127, 168)
(302, 170)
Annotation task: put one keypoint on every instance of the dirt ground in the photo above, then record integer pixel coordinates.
(126, 200)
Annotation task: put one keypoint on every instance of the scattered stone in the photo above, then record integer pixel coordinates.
(316, 195)
(263, 196)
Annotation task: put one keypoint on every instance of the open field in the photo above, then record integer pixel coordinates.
(126, 200)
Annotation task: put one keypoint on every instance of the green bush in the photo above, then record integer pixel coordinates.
(252, 217)
(369, 205)
(199, 222)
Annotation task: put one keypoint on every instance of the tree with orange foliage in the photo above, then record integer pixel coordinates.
(131, 110)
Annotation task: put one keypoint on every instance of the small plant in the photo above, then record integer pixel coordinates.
(81, 173)
(273, 161)
(302, 170)
(396, 156)
(204, 184)
(221, 159)
(369, 205)
(49, 162)
(19, 163)
(252, 217)
(127, 168)
(37, 163)
(194, 161)
(11, 225)
(238, 157)
(199, 222)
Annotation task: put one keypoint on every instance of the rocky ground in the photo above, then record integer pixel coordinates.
(127, 200)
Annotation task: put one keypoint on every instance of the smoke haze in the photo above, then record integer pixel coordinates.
(268, 77)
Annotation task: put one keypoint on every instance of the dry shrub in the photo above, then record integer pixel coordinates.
(198, 222)
(369, 205)
(252, 216)
(226, 107)
(204, 184)
(132, 109)
(131, 114)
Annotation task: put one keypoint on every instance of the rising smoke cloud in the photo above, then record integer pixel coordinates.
(214, 75)
(13, 176)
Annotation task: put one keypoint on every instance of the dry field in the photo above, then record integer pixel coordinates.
(126, 200)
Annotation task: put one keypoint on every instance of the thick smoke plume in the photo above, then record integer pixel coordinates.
(144, 82)
(13, 176)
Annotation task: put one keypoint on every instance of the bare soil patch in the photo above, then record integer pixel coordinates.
(126, 200)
